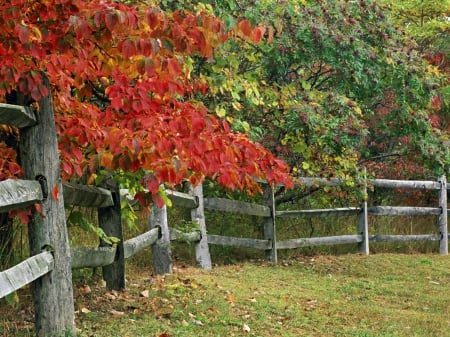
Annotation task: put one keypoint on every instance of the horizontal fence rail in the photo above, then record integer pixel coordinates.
(404, 238)
(239, 242)
(17, 194)
(16, 115)
(319, 241)
(87, 196)
(25, 272)
(312, 213)
(226, 205)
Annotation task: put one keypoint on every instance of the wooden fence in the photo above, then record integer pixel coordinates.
(52, 259)
(361, 237)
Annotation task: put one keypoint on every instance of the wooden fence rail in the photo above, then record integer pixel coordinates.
(362, 237)
(25, 272)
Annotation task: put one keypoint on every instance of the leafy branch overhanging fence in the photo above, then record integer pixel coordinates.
(52, 259)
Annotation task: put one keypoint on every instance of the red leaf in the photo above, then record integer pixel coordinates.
(24, 33)
(245, 27)
(38, 208)
(128, 48)
(173, 67)
(55, 192)
(24, 216)
(83, 30)
(111, 21)
(257, 34)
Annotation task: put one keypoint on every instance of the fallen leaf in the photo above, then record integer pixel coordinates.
(197, 322)
(311, 304)
(85, 289)
(230, 299)
(85, 310)
(110, 296)
(116, 314)
(145, 293)
(184, 323)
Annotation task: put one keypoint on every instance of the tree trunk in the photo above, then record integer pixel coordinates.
(52, 293)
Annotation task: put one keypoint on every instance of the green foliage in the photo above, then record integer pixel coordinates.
(12, 299)
(333, 84)
(425, 20)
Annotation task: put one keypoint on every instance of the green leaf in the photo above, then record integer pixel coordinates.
(162, 193)
(12, 299)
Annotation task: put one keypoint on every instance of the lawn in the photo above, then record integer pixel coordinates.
(351, 295)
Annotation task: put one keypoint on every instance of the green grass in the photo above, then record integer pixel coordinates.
(351, 295)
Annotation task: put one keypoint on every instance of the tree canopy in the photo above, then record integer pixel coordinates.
(334, 86)
(124, 91)
(167, 92)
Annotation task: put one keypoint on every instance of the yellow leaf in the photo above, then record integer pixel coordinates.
(236, 105)
(221, 112)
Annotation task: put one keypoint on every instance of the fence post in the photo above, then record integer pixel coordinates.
(53, 292)
(162, 257)
(363, 221)
(198, 215)
(269, 224)
(443, 229)
(110, 220)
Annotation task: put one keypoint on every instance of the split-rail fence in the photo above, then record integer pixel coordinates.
(52, 259)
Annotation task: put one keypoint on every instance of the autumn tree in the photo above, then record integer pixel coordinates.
(125, 96)
(125, 93)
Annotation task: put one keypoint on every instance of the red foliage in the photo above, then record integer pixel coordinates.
(132, 57)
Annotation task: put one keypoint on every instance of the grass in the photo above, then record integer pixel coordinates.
(349, 295)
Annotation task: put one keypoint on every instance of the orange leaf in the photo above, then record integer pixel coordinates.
(257, 34)
(55, 192)
(38, 208)
(245, 27)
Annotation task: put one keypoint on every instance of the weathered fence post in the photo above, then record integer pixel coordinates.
(198, 215)
(162, 259)
(269, 224)
(363, 221)
(443, 229)
(110, 220)
(53, 292)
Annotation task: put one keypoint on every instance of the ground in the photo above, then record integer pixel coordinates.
(351, 295)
